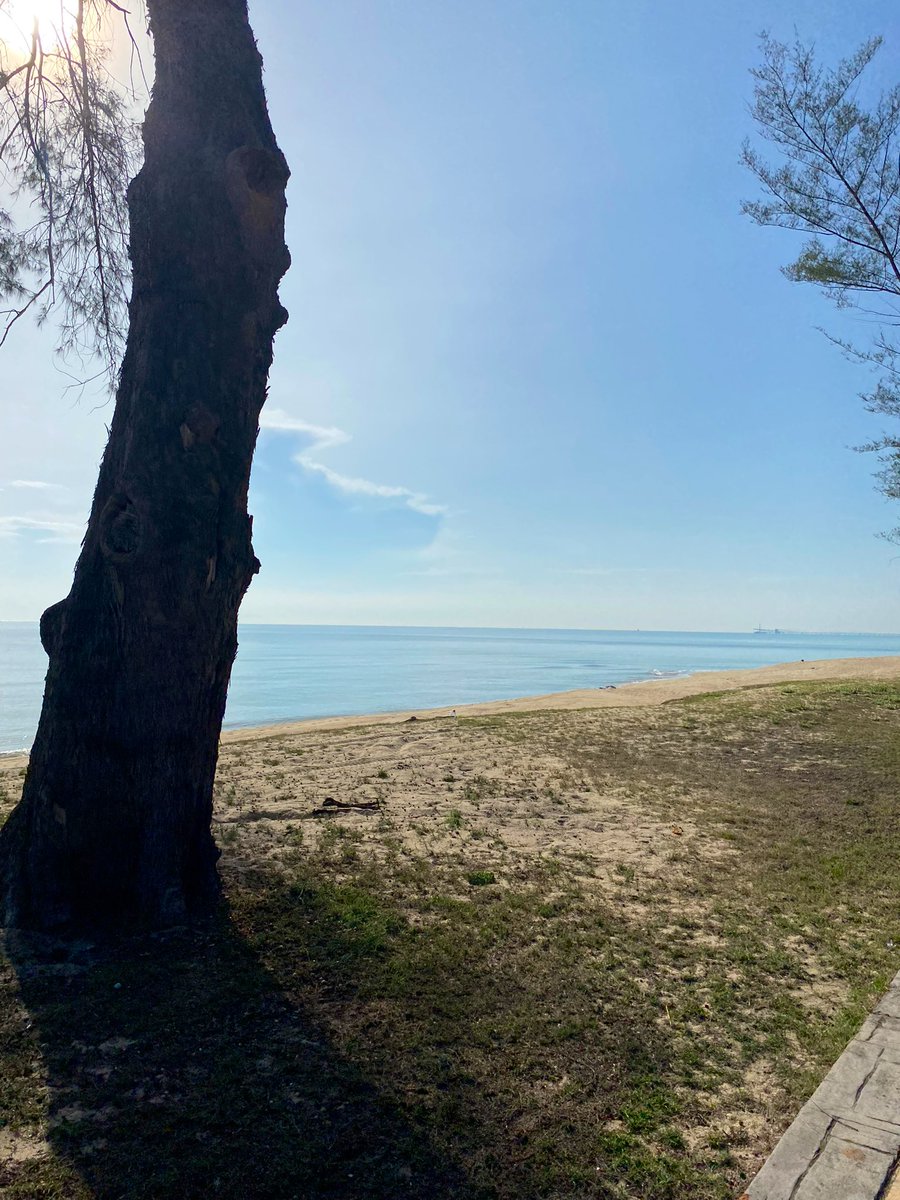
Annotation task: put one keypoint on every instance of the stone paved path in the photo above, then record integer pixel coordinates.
(845, 1142)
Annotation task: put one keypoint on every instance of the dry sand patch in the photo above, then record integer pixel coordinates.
(446, 789)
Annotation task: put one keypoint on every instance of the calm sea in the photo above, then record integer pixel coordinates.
(286, 672)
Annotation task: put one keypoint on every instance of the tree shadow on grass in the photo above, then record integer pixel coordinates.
(316, 1042)
(177, 1067)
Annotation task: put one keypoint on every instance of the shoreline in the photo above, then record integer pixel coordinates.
(638, 694)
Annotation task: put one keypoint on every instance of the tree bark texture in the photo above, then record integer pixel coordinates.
(114, 823)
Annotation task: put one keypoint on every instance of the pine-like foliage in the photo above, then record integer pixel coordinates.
(836, 177)
(68, 149)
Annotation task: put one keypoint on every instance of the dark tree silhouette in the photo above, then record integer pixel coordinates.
(114, 822)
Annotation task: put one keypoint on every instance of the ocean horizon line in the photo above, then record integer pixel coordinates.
(774, 631)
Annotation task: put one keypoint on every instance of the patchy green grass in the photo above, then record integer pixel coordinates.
(801, 781)
(577, 1024)
(481, 878)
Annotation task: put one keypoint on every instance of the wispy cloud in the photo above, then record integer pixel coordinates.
(35, 485)
(455, 573)
(325, 437)
(604, 571)
(60, 531)
(417, 501)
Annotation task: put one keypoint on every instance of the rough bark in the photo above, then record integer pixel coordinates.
(114, 823)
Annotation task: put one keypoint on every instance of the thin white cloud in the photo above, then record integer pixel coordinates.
(454, 573)
(325, 437)
(60, 531)
(417, 501)
(35, 485)
(605, 571)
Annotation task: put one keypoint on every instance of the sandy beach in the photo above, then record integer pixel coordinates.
(610, 784)
(421, 771)
(708, 860)
(415, 766)
(628, 695)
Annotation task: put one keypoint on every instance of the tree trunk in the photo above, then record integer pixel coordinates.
(114, 822)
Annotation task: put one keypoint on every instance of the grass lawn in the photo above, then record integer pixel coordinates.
(599, 954)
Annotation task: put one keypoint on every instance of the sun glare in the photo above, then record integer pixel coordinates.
(55, 19)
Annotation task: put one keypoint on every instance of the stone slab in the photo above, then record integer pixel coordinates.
(845, 1142)
(844, 1171)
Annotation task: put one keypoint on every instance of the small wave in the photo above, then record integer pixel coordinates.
(14, 753)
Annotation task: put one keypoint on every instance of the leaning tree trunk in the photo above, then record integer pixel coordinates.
(114, 822)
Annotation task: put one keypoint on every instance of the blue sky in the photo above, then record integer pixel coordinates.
(539, 370)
